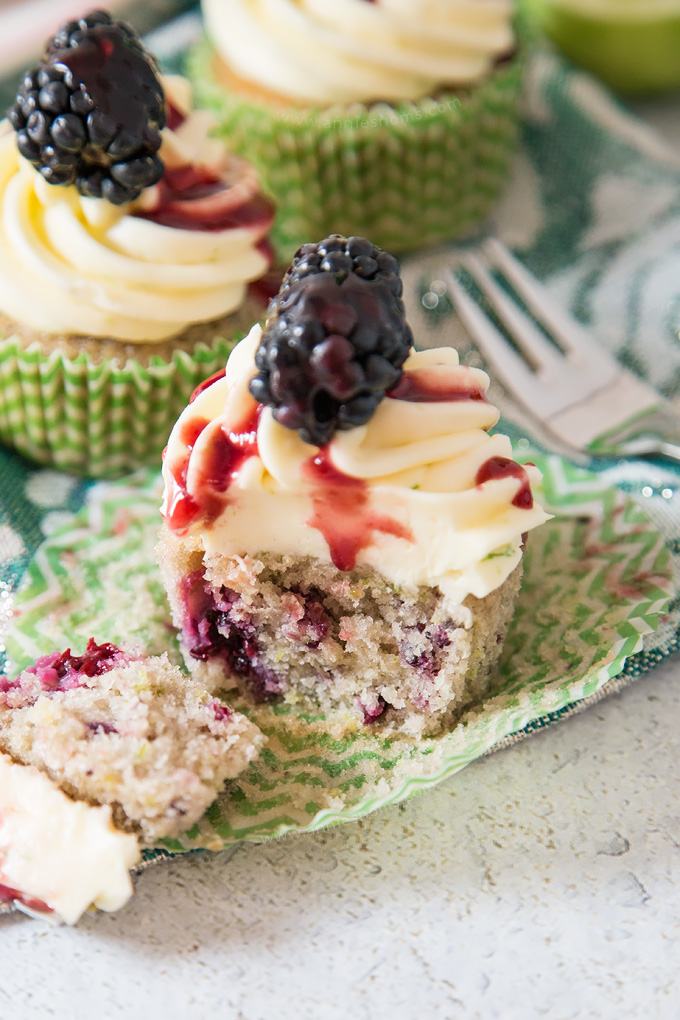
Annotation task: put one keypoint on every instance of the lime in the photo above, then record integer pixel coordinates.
(632, 45)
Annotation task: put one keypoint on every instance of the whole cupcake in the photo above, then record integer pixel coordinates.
(394, 118)
(128, 241)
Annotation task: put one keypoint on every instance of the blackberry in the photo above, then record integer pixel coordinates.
(92, 111)
(335, 339)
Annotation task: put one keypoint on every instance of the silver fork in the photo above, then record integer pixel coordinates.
(574, 387)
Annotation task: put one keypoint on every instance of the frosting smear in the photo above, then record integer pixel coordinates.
(59, 856)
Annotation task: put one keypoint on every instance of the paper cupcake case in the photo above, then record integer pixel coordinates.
(404, 175)
(101, 420)
(597, 580)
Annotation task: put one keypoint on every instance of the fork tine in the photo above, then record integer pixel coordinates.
(493, 345)
(559, 324)
(530, 341)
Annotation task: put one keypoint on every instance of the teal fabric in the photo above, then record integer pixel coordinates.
(595, 212)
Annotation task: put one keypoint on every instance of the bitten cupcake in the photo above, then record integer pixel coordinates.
(128, 240)
(393, 118)
(341, 531)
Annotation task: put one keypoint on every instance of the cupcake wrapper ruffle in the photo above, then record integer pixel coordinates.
(101, 420)
(404, 175)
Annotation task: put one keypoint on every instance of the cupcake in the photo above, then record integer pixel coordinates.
(129, 239)
(96, 746)
(395, 119)
(341, 532)
(632, 45)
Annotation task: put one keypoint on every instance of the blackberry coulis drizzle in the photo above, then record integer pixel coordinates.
(92, 111)
(335, 340)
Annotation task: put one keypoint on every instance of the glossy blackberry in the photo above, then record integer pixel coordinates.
(343, 256)
(335, 340)
(91, 112)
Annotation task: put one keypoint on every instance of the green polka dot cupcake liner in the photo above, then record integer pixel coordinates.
(103, 419)
(405, 175)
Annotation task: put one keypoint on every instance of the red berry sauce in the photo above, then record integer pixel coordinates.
(502, 467)
(174, 118)
(182, 509)
(227, 454)
(192, 197)
(341, 513)
(9, 895)
(207, 383)
(430, 387)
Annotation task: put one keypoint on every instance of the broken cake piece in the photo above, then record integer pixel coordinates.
(121, 741)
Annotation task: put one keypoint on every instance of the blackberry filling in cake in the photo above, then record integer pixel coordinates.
(341, 530)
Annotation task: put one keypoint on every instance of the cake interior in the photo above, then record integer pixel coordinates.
(111, 728)
(282, 628)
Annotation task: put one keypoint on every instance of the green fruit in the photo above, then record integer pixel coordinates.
(632, 46)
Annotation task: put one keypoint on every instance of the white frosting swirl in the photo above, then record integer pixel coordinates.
(420, 462)
(327, 51)
(78, 265)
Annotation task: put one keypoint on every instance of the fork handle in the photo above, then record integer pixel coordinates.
(650, 447)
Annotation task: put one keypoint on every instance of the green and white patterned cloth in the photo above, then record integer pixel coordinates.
(595, 211)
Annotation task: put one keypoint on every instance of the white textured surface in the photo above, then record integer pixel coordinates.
(543, 881)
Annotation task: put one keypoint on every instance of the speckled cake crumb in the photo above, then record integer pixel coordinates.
(132, 733)
(330, 641)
